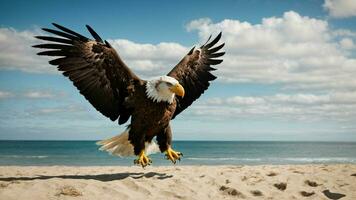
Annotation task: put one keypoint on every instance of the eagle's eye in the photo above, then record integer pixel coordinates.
(169, 84)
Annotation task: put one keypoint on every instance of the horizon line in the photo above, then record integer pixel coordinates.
(84, 140)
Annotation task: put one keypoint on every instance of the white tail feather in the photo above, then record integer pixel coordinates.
(120, 145)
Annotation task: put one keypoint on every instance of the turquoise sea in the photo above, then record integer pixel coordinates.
(86, 153)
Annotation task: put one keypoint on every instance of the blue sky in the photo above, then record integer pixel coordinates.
(287, 74)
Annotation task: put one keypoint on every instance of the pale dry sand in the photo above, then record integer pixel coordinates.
(178, 182)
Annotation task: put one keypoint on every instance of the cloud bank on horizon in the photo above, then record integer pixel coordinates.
(312, 64)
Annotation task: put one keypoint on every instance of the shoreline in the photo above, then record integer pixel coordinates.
(178, 182)
(180, 165)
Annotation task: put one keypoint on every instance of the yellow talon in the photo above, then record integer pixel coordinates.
(173, 155)
(142, 159)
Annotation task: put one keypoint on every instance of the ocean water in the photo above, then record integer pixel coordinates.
(86, 153)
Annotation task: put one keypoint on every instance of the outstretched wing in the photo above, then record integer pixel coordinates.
(193, 72)
(94, 67)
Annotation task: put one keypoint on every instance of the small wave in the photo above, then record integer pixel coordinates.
(281, 160)
(330, 159)
(21, 156)
(222, 159)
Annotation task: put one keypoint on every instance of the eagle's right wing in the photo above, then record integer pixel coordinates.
(94, 67)
(194, 72)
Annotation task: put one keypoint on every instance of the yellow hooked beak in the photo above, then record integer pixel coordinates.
(177, 89)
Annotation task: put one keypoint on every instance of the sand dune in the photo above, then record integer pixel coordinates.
(179, 182)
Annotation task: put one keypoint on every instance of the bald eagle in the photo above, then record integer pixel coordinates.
(100, 75)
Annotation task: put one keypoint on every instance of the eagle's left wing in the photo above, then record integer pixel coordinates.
(94, 67)
(193, 72)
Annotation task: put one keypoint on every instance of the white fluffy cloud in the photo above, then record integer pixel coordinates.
(335, 106)
(16, 52)
(32, 94)
(42, 94)
(149, 59)
(145, 59)
(295, 50)
(340, 8)
(347, 43)
(72, 109)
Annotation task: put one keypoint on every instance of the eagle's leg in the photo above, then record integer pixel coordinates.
(138, 141)
(173, 155)
(164, 139)
(142, 159)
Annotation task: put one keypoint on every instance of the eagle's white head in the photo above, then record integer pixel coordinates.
(163, 88)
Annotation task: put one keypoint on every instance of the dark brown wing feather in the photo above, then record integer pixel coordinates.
(94, 67)
(193, 72)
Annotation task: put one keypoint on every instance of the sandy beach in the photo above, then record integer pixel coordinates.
(179, 182)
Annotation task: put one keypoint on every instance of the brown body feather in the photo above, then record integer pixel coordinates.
(149, 119)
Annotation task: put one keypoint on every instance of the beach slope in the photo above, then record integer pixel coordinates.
(179, 182)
